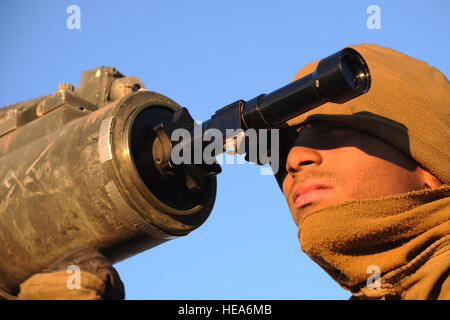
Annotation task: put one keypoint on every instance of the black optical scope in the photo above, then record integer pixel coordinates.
(339, 77)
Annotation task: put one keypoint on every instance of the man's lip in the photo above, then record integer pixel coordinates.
(308, 192)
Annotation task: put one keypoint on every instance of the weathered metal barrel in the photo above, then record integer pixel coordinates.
(76, 170)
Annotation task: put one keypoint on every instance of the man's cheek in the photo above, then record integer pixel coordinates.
(286, 186)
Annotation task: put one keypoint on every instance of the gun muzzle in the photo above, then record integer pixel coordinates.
(76, 171)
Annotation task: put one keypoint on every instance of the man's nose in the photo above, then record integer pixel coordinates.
(300, 157)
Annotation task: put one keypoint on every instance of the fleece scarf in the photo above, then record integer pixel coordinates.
(404, 237)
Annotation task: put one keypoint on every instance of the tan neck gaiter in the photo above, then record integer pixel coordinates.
(396, 234)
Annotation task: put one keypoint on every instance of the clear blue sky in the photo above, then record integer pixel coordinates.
(204, 55)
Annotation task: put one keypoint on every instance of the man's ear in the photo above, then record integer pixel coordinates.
(428, 179)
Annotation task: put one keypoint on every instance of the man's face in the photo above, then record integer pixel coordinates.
(330, 163)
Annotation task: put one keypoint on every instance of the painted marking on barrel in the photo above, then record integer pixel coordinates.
(104, 147)
(38, 158)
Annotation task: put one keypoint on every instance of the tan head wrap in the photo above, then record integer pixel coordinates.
(405, 236)
(408, 106)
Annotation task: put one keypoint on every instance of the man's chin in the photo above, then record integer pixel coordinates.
(300, 213)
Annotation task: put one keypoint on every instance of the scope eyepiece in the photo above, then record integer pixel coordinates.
(339, 77)
(342, 76)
